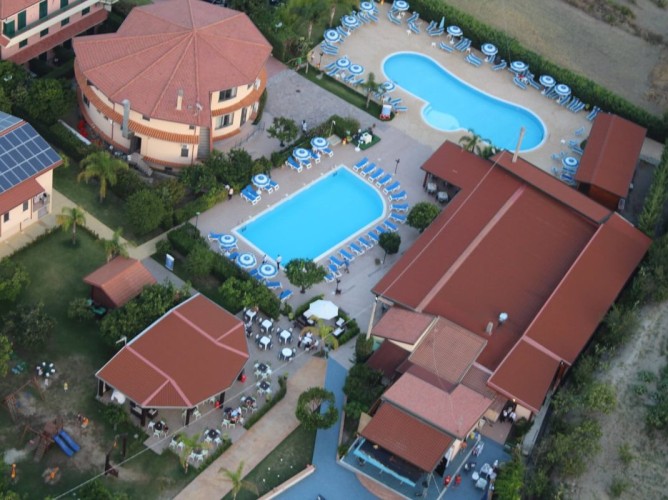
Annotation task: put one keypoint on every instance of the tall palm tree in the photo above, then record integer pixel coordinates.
(70, 218)
(104, 167)
(488, 150)
(238, 483)
(309, 11)
(370, 86)
(115, 246)
(471, 143)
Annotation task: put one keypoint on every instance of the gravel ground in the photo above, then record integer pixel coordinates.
(613, 57)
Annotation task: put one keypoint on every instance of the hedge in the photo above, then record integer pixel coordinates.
(58, 135)
(280, 394)
(585, 89)
(352, 328)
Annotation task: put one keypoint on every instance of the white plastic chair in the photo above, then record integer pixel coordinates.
(218, 441)
(226, 423)
(151, 426)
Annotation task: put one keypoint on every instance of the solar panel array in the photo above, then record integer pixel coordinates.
(7, 121)
(23, 153)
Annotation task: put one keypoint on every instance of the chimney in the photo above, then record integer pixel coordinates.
(519, 143)
(125, 125)
(489, 328)
(179, 100)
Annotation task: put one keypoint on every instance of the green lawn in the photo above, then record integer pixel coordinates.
(287, 459)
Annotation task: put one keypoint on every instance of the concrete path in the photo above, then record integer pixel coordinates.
(260, 440)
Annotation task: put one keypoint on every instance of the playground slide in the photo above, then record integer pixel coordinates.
(63, 445)
(68, 439)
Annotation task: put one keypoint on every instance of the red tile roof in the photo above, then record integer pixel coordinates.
(121, 279)
(448, 350)
(174, 45)
(507, 243)
(387, 358)
(455, 412)
(192, 353)
(610, 158)
(402, 325)
(62, 35)
(11, 7)
(15, 196)
(407, 437)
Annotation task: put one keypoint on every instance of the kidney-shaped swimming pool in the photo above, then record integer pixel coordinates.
(452, 104)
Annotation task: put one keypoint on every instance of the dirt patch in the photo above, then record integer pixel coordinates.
(645, 476)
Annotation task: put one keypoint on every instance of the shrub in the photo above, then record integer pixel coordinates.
(310, 408)
(363, 349)
(80, 310)
(185, 238)
(14, 278)
(199, 261)
(163, 247)
(363, 387)
(343, 126)
(625, 454)
(61, 137)
(47, 100)
(618, 487)
(28, 326)
(145, 211)
(422, 214)
(128, 183)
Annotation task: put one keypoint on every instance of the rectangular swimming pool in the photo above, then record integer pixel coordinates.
(317, 219)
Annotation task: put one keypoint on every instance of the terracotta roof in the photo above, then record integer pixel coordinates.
(402, 325)
(526, 375)
(121, 279)
(476, 378)
(455, 412)
(47, 43)
(448, 350)
(174, 45)
(11, 7)
(407, 437)
(610, 158)
(194, 352)
(15, 196)
(387, 358)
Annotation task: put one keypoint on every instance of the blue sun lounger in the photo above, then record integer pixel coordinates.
(500, 66)
(401, 195)
(401, 218)
(334, 271)
(292, 163)
(249, 194)
(368, 169)
(327, 151)
(445, 46)
(391, 226)
(273, 285)
(380, 230)
(360, 164)
(358, 250)
(400, 109)
(399, 207)
(285, 295)
(214, 236)
(519, 83)
(384, 180)
(392, 18)
(232, 256)
(346, 255)
(392, 187)
(255, 274)
(335, 261)
(365, 243)
(273, 185)
(329, 277)
(376, 175)
(372, 236)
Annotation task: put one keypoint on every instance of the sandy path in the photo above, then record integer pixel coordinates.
(573, 39)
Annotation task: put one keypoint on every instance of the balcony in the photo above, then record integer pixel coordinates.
(58, 12)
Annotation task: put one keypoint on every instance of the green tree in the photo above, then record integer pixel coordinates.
(145, 211)
(390, 243)
(488, 150)
(510, 480)
(5, 354)
(363, 348)
(309, 407)
(70, 218)
(190, 443)
(200, 177)
(237, 294)
(371, 87)
(171, 191)
(5, 101)
(115, 415)
(304, 273)
(471, 143)
(236, 477)
(308, 11)
(47, 100)
(103, 167)
(79, 308)
(199, 261)
(28, 326)
(568, 450)
(655, 201)
(284, 129)
(14, 278)
(115, 247)
(422, 214)
(363, 386)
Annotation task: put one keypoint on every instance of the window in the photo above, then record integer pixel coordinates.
(26, 205)
(23, 43)
(147, 118)
(191, 127)
(8, 28)
(249, 86)
(22, 20)
(65, 21)
(225, 120)
(85, 11)
(63, 3)
(5, 217)
(225, 95)
(184, 151)
(44, 32)
(244, 113)
(43, 9)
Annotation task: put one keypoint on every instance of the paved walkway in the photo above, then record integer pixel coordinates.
(260, 440)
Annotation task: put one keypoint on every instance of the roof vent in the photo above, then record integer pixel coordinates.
(503, 317)
(179, 99)
(489, 328)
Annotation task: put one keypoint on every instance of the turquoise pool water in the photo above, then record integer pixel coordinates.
(317, 219)
(452, 104)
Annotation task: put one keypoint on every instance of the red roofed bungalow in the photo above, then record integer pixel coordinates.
(193, 353)
(519, 269)
(610, 159)
(118, 281)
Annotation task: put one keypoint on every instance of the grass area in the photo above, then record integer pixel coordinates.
(287, 459)
(56, 269)
(110, 212)
(343, 91)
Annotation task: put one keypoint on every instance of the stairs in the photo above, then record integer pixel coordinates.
(204, 147)
(137, 161)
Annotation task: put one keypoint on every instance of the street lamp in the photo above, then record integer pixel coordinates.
(196, 219)
(331, 126)
(320, 60)
(338, 290)
(396, 166)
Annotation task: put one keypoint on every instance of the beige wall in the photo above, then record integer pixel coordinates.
(19, 218)
(167, 151)
(242, 92)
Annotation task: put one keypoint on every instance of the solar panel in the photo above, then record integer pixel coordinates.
(7, 121)
(23, 153)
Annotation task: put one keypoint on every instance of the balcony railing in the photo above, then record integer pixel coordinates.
(44, 19)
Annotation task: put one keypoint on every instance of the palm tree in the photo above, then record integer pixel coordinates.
(104, 167)
(324, 331)
(471, 143)
(370, 86)
(488, 151)
(115, 246)
(189, 444)
(238, 483)
(70, 218)
(309, 11)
